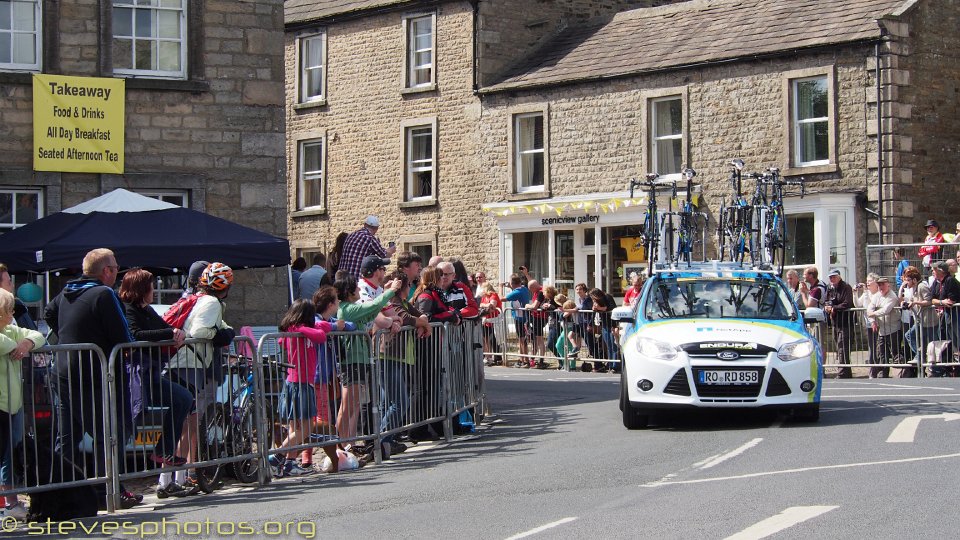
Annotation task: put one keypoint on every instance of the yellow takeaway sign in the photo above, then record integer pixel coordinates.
(78, 124)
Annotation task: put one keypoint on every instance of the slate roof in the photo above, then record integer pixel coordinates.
(696, 32)
(298, 11)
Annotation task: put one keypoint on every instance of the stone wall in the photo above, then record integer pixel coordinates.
(926, 107)
(224, 143)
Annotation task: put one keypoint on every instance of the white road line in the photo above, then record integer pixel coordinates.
(803, 469)
(784, 520)
(542, 528)
(734, 453)
(835, 396)
(906, 430)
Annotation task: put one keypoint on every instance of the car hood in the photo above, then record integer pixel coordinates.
(723, 334)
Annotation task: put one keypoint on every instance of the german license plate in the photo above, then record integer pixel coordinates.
(148, 437)
(716, 376)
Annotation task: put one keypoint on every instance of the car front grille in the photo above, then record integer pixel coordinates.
(778, 385)
(678, 385)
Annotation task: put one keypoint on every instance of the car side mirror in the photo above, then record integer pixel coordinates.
(813, 315)
(622, 315)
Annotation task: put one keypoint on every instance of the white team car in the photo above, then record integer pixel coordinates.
(716, 336)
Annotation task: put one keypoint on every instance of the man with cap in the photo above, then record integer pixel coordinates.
(885, 322)
(193, 277)
(931, 249)
(945, 293)
(837, 306)
(362, 243)
(373, 271)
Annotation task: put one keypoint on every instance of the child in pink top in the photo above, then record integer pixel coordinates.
(298, 403)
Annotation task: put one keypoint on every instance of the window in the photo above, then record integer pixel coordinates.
(528, 129)
(801, 250)
(313, 68)
(666, 135)
(149, 38)
(20, 36)
(19, 207)
(419, 145)
(424, 249)
(179, 198)
(811, 122)
(310, 178)
(420, 46)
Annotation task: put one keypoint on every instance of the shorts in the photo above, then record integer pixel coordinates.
(195, 380)
(536, 326)
(351, 374)
(521, 327)
(297, 402)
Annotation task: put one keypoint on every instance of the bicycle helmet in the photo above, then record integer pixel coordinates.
(217, 277)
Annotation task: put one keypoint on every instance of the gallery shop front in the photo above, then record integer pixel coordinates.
(595, 238)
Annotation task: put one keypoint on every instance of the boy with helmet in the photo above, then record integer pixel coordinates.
(197, 366)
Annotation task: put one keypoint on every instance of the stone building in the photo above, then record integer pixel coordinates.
(204, 112)
(536, 122)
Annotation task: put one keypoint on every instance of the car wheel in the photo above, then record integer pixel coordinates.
(633, 418)
(807, 414)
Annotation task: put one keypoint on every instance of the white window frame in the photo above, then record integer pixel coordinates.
(415, 166)
(37, 32)
(520, 152)
(797, 123)
(410, 63)
(160, 195)
(303, 176)
(656, 138)
(153, 38)
(303, 68)
(16, 192)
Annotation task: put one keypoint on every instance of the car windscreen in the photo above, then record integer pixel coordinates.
(718, 298)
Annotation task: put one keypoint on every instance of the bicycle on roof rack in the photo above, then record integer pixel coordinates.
(691, 223)
(733, 230)
(650, 235)
(772, 218)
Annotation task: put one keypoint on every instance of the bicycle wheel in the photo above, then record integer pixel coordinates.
(245, 442)
(668, 238)
(211, 445)
(651, 244)
(722, 233)
(779, 242)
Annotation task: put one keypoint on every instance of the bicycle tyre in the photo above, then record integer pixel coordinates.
(211, 445)
(722, 233)
(245, 432)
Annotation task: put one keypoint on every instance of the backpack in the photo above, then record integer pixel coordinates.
(177, 315)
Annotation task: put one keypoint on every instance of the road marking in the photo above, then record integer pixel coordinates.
(890, 406)
(906, 430)
(784, 520)
(733, 453)
(803, 469)
(542, 528)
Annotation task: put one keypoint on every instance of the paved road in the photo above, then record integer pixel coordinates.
(556, 459)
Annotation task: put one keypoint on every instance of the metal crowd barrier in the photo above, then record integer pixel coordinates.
(588, 336)
(64, 425)
(921, 344)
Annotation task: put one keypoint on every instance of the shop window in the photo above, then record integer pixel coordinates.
(150, 38)
(19, 207)
(312, 51)
(530, 249)
(20, 34)
(421, 44)
(622, 257)
(801, 249)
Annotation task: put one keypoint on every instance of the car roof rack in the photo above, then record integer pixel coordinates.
(716, 267)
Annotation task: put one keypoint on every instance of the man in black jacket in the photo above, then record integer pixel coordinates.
(88, 311)
(837, 306)
(946, 297)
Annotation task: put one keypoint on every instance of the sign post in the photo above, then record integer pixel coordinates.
(78, 124)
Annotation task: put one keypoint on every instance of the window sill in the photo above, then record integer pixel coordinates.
(418, 204)
(418, 89)
(308, 212)
(529, 195)
(815, 169)
(140, 83)
(307, 105)
(17, 77)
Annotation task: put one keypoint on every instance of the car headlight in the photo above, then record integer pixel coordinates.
(796, 350)
(658, 350)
